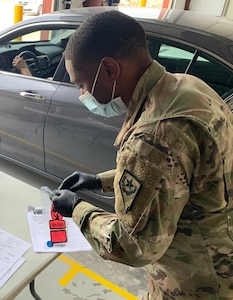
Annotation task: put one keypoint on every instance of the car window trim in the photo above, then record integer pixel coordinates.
(25, 29)
(167, 38)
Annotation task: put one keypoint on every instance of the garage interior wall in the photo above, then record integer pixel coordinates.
(228, 10)
(178, 4)
(213, 7)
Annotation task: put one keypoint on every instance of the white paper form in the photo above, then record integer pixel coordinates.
(12, 249)
(39, 218)
(11, 271)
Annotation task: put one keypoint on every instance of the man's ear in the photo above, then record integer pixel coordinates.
(111, 67)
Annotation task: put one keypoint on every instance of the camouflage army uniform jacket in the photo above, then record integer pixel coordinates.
(173, 190)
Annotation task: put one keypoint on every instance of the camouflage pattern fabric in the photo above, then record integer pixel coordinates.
(174, 190)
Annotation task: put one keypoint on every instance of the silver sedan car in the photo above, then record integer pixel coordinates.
(44, 126)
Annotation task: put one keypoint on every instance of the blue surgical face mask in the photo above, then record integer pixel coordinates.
(115, 107)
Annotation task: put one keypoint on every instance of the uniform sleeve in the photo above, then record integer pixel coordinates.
(151, 187)
(107, 179)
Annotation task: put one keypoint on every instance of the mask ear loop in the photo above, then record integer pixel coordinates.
(96, 77)
(113, 90)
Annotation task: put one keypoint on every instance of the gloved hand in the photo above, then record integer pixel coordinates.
(78, 180)
(64, 202)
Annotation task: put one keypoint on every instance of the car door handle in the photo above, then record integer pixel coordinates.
(31, 95)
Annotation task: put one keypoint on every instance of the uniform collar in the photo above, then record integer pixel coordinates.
(142, 89)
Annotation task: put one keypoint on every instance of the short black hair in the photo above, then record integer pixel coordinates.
(110, 33)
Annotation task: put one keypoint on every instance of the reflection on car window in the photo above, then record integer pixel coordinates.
(34, 36)
(175, 59)
(173, 56)
(167, 51)
(180, 58)
(54, 36)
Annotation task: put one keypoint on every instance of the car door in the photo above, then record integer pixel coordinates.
(24, 105)
(25, 100)
(76, 139)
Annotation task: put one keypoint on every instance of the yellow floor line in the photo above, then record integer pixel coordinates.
(75, 268)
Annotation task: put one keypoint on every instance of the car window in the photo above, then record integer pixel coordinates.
(180, 58)
(214, 73)
(174, 57)
(41, 49)
(53, 35)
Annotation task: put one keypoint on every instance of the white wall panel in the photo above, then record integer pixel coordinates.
(178, 4)
(213, 7)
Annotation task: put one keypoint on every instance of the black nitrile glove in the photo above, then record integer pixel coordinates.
(64, 202)
(78, 180)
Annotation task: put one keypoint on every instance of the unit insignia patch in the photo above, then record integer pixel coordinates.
(129, 186)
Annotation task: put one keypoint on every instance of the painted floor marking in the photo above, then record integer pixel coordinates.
(76, 268)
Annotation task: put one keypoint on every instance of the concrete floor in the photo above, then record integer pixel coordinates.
(80, 275)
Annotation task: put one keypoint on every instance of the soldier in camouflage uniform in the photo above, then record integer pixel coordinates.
(173, 180)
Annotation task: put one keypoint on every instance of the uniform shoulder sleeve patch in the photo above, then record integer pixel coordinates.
(129, 186)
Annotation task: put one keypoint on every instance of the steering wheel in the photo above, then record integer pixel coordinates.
(31, 61)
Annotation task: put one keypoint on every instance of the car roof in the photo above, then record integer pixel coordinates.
(216, 25)
(209, 32)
